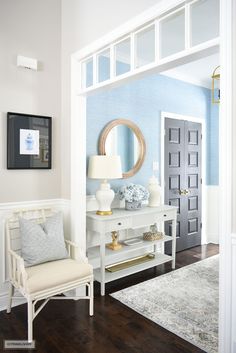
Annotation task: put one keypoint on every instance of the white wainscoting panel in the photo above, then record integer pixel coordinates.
(6, 210)
(212, 214)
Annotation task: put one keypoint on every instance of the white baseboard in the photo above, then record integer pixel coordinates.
(213, 239)
(15, 302)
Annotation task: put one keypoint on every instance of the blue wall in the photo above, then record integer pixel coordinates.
(142, 102)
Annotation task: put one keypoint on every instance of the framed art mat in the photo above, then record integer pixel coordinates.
(29, 140)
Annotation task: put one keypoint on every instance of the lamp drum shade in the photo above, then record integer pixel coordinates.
(105, 167)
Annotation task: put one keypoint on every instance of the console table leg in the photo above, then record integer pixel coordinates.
(173, 242)
(102, 263)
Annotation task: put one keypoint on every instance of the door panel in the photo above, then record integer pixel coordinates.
(183, 180)
(193, 153)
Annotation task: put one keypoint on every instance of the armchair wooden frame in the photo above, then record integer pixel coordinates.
(18, 274)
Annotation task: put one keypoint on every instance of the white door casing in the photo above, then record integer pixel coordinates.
(227, 111)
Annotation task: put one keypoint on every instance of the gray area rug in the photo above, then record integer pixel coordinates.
(184, 301)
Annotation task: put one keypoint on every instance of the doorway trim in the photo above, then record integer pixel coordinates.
(227, 110)
(168, 115)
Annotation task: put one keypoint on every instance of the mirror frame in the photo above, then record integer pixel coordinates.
(138, 134)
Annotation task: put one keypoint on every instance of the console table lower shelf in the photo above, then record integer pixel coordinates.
(112, 276)
(134, 261)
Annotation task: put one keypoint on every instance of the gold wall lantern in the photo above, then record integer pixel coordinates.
(215, 93)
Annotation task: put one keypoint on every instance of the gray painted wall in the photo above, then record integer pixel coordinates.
(49, 30)
(30, 28)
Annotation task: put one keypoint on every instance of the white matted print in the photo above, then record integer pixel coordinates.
(29, 142)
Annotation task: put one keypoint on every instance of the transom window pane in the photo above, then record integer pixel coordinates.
(172, 34)
(104, 66)
(122, 57)
(145, 46)
(87, 72)
(204, 19)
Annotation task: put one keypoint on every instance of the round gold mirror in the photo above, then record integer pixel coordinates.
(122, 137)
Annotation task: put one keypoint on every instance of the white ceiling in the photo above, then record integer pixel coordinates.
(198, 72)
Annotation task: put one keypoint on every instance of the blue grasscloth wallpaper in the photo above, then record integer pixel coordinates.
(142, 102)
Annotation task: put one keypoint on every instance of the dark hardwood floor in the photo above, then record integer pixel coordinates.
(65, 326)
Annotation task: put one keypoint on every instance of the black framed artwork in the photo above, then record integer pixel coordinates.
(29, 141)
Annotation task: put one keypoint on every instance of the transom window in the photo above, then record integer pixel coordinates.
(190, 26)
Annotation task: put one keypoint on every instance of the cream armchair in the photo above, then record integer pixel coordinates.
(46, 280)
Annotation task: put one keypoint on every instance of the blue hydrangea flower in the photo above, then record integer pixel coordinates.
(133, 192)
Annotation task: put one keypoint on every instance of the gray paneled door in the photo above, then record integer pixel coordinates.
(183, 180)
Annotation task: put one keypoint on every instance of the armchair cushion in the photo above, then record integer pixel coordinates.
(42, 242)
(56, 273)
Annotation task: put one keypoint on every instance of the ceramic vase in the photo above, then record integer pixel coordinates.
(154, 192)
(132, 206)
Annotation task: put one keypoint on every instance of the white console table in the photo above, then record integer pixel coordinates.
(122, 219)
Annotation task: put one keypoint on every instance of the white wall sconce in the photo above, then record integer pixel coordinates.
(216, 86)
(27, 63)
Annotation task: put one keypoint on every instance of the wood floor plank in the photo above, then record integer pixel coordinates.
(65, 327)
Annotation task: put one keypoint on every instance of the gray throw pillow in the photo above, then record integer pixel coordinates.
(42, 242)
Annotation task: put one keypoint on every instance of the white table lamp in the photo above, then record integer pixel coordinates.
(104, 167)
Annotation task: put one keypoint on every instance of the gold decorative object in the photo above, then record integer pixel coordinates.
(153, 234)
(141, 142)
(216, 86)
(114, 245)
(104, 213)
(150, 236)
(131, 262)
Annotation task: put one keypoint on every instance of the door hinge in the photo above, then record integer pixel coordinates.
(201, 180)
(201, 225)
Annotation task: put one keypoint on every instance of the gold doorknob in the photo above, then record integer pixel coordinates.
(184, 192)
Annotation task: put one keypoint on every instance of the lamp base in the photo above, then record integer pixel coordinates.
(104, 197)
(104, 213)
